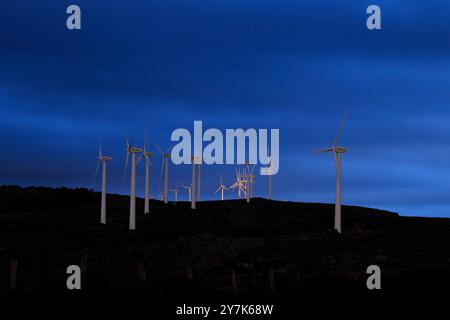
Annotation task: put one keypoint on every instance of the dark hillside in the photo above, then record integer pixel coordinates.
(263, 250)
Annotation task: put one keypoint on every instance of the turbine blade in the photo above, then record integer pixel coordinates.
(173, 145)
(340, 129)
(323, 150)
(126, 165)
(145, 141)
(159, 149)
(98, 167)
(162, 168)
(100, 148)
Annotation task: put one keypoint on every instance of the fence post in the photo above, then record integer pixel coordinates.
(234, 281)
(271, 280)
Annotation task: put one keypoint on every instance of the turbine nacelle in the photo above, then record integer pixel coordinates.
(104, 158)
(334, 149)
(164, 154)
(130, 149)
(134, 149)
(340, 150)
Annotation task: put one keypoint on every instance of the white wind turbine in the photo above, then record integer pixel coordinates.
(337, 158)
(175, 192)
(133, 151)
(103, 160)
(165, 167)
(239, 184)
(146, 155)
(252, 183)
(249, 179)
(221, 188)
(161, 194)
(189, 189)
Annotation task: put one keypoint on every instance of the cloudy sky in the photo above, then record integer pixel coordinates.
(293, 65)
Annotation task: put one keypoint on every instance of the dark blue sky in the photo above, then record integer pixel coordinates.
(293, 65)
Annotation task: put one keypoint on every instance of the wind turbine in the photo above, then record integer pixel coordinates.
(165, 165)
(337, 159)
(189, 189)
(239, 184)
(161, 194)
(221, 188)
(249, 182)
(252, 183)
(146, 155)
(175, 191)
(103, 160)
(133, 151)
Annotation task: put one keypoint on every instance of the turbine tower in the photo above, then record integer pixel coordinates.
(270, 187)
(161, 194)
(103, 160)
(165, 167)
(337, 151)
(270, 173)
(249, 179)
(146, 155)
(194, 163)
(199, 180)
(221, 188)
(252, 182)
(189, 189)
(133, 151)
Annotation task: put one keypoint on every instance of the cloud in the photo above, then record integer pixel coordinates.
(295, 65)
